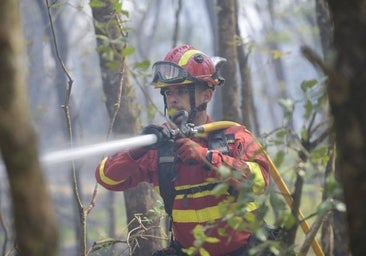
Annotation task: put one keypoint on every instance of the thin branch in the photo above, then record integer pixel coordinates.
(6, 233)
(56, 46)
(176, 24)
(311, 123)
(312, 233)
(82, 212)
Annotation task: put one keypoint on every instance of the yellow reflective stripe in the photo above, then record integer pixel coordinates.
(259, 182)
(184, 59)
(104, 178)
(197, 216)
(197, 194)
(204, 215)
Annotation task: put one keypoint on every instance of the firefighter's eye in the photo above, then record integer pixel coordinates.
(178, 92)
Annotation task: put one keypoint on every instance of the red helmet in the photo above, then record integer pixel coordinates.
(185, 64)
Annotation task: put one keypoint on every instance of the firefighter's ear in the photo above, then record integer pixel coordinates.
(208, 93)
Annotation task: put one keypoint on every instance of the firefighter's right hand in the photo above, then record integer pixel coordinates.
(162, 133)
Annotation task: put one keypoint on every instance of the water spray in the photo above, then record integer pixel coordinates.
(104, 147)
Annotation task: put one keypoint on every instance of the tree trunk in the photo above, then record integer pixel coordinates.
(227, 49)
(123, 110)
(247, 105)
(35, 226)
(347, 94)
(323, 20)
(334, 240)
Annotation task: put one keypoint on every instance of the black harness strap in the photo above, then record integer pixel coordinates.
(216, 140)
(167, 175)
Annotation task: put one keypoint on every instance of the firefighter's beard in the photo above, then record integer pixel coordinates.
(177, 115)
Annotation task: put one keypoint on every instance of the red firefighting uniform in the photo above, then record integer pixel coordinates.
(120, 172)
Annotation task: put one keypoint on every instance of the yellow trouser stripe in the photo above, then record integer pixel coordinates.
(259, 182)
(184, 59)
(204, 215)
(104, 178)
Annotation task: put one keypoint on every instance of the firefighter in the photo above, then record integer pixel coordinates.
(187, 79)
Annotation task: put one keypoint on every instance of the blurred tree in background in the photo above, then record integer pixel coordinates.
(34, 220)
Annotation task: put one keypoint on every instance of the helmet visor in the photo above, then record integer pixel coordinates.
(169, 73)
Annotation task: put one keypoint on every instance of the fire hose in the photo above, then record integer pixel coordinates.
(190, 131)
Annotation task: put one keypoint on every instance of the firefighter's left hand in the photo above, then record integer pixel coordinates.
(189, 151)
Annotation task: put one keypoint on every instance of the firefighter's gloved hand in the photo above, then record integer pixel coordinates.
(189, 151)
(162, 133)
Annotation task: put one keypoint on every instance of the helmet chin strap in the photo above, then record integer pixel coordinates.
(192, 114)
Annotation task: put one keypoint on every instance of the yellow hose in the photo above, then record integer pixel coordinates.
(214, 126)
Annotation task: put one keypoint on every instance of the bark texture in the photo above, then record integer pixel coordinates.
(347, 93)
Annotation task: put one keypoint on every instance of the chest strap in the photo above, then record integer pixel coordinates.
(216, 140)
(167, 175)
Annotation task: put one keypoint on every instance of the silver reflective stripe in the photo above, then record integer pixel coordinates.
(166, 159)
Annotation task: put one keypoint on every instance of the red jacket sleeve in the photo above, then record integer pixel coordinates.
(120, 171)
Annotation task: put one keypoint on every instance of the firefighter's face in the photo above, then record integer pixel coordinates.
(177, 97)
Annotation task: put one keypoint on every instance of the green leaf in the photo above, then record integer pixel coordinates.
(117, 7)
(332, 186)
(114, 65)
(125, 13)
(308, 84)
(235, 222)
(96, 3)
(108, 54)
(198, 232)
(203, 252)
(288, 220)
(220, 189)
(103, 38)
(224, 171)
(261, 234)
(189, 251)
(287, 104)
(308, 109)
(128, 51)
(279, 158)
(212, 240)
(281, 133)
(321, 154)
(325, 207)
(144, 65)
(222, 232)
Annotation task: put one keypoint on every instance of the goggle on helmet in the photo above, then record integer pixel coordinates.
(185, 65)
